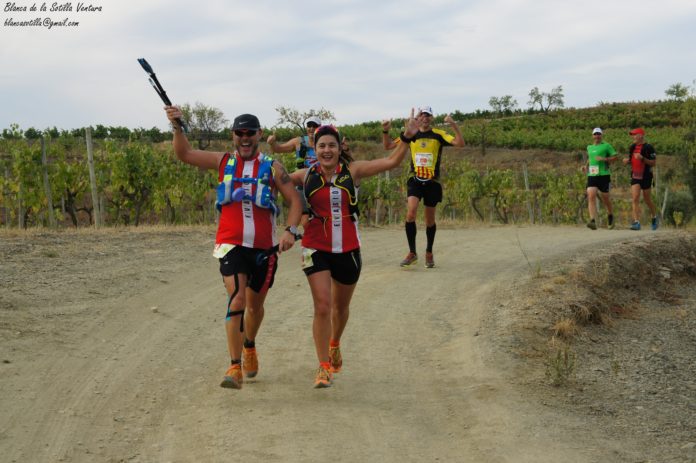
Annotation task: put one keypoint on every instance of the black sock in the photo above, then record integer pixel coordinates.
(430, 234)
(411, 236)
(249, 344)
(235, 362)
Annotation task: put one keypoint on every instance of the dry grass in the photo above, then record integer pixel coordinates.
(565, 329)
(681, 315)
(548, 289)
(602, 290)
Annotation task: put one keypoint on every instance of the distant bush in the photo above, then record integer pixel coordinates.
(682, 203)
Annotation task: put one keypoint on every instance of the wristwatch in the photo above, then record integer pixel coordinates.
(293, 231)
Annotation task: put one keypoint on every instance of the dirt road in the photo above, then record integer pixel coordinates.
(112, 349)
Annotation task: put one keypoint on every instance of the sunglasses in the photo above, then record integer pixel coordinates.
(312, 124)
(245, 133)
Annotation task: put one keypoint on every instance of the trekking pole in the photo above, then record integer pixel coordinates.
(159, 89)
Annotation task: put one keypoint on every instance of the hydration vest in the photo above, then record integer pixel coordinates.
(647, 151)
(314, 181)
(305, 155)
(261, 191)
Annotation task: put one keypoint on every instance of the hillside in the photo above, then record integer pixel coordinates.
(516, 168)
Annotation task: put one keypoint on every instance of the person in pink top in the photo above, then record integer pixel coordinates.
(246, 242)
(331, 243)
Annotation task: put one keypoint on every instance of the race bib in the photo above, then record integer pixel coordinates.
(221, 250)
(307, 261)
(424, 159)
(594, 170)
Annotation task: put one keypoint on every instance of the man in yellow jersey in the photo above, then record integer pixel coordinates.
(426, 153)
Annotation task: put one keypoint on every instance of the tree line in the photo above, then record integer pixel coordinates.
(138, 180)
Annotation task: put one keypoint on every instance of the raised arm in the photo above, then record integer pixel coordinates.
(387, 141)
(297, 177)
(458, 139)
(361, 169)
(288, 146)
(182, 147)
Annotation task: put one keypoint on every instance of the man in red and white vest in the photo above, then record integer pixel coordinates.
(246, 242)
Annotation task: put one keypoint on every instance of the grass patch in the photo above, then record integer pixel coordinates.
(560, 363)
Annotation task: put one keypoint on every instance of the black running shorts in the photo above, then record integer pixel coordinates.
(645, 182)
(344, 267)
(601, 182)
(430, 191)
(259, 265)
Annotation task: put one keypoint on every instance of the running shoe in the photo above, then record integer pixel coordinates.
(336, 359)
(429, 261)
(635, 225)
(233, 377)
(250, 362)
(323, 378)
(655, 223)
(610, 222)
(410, 258)
(592, 225)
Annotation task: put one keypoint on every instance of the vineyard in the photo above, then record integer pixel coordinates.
(133, 178)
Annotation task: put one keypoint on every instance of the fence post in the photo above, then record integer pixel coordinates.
(378, 200)
(47, 185)
(96, 207)
(526, 188)
(20, 206)
(5, 195)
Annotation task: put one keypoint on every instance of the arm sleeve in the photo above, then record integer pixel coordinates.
(447, 139)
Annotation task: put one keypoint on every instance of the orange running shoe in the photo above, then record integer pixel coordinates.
(410, 258)
(233, 377)
(250, 362)
(323, 378)
(336, 359)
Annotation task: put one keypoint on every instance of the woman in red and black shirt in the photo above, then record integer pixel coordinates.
(331, 243)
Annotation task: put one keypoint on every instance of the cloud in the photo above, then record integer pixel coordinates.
(364, 60)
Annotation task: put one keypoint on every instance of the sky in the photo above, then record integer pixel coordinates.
(363, 60)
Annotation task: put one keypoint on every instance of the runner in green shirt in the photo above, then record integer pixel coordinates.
(599, 155)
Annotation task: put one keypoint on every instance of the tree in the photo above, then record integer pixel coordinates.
(678, 91)
(203, 121)
(293, 117)
(53, 133)
(135, 168)
(503, 105)
(546, 101)
(32, 134)
(70, 180)
(689, 154)
(13, 133)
